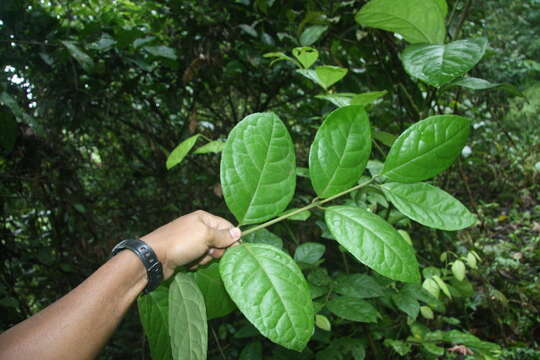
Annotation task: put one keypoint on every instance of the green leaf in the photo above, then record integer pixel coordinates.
(407, 303)
(401, 347)
(340, 151)
(80, 56)
(187, 319)
(143, 41)
(361, 286)
(373, 242)
(443, 6)
(431, 286)
(301, 216)
(367, 98)
(471, 261)
(458, 269)
(429, 205)
(270, 290)
(481, 84)
(433, 349)
(312, 34)
(8, 130)
(153, 311)
(180, 152)
(426, 312)
(306, 55)
(258, 168)
(161, 51)
(439, 64)
(418, 21)
(420, 293)
(442, 285)
(309, 252)
(339, 99)
(323, 323)
(212, 147)
(263, 236)
(281, 56)
(353, 309)
(252, 351)
(329, 75)
(218, 303)
(426, 148)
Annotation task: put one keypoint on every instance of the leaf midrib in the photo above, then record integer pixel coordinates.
(424, 154)
(273, 287)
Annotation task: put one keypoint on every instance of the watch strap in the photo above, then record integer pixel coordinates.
(154, 269)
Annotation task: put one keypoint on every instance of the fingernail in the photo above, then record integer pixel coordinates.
(211, 251)
(235, 233)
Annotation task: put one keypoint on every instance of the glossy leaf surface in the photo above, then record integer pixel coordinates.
(418, 21)
(440, 64)
(154, 314)
(426, 148)
(481, 84)
(187, 319)
(367, 98)
(458, 269)
(258, 168)
(340, 151)
(429, 205)
(270, 290)
(407, 303)
(86, 62)
(353, 309)
(217, 301)
(329, 75)
(374, 242)
(180, 152)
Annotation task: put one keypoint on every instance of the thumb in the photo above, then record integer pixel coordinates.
(225, 237)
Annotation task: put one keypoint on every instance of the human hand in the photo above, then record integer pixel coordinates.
(194, 236)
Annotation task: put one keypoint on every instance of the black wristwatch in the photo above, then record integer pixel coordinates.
(154, 270)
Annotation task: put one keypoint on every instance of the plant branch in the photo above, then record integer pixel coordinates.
(307, 207)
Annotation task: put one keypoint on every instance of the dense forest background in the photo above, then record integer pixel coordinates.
(94, 95)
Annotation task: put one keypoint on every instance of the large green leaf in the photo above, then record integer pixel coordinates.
(258, 168)
(270, 290)
(340, 151)
(212, 147)
(353, 309)
(180, 152)
(407, 303)
(154, 314)
(440, 64)
(418, 21)
(481, 84)
(426, 148)
(187, 319)
(217, 301)
(373, 242)
(429, 205)
(161, 51)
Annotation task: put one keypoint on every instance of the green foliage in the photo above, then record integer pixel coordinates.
(258, 168)
(340, 151)
(187, 318)
(439, 64)
(270, 290)
(426, 148)
(154, 313)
